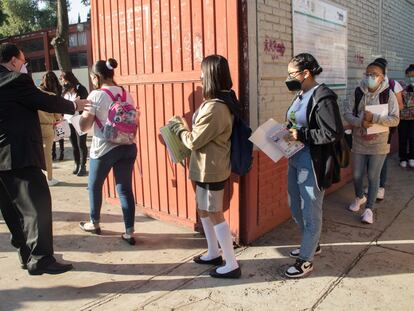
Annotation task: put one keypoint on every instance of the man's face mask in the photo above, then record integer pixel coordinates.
(23, 69)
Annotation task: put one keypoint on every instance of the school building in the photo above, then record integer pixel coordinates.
(160, 46)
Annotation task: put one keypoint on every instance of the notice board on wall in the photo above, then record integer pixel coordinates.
(320, 28)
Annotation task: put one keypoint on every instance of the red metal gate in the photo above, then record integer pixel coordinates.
(159, 46)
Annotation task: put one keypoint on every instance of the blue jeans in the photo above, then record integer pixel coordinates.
(384, 173)
(122, 160)
(305, 201)
(360, 165)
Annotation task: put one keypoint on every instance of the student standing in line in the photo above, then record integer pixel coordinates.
(73, 89)
(50, 84)
(209, 142)
(106, 155)
(372, 148)
(396, 87)
(314, 119)
(406, 126)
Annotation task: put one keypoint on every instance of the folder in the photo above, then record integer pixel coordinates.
(176, 149)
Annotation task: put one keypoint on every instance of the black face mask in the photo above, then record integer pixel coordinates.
(294, 84)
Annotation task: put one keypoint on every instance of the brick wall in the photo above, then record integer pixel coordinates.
(273, 21)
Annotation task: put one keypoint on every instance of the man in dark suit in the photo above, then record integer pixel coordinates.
(25, 200)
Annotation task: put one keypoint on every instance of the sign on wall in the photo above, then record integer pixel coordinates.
(320, 28)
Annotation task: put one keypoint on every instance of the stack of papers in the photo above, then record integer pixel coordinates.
(271, 138)
(382, 110)
(176, 149)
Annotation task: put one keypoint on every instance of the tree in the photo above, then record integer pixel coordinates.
(60, 42)
(21, 16)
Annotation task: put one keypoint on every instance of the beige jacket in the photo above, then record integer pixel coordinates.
(47, 120)
(209, 142)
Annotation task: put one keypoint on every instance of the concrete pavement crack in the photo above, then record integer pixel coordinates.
(374, 242)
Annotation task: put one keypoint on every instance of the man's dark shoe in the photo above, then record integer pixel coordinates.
(218, 261)
(54, 268)
(233, 274)
(82, 171)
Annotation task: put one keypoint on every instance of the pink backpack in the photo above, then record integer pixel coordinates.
(121, 125)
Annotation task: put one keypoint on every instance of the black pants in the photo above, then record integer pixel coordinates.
(406, 140)
(26, 206)
(80, 151)
(61, 146)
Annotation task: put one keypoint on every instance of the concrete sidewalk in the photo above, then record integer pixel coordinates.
(361, 267)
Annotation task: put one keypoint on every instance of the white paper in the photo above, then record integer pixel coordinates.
(288, 148)
(262, 138)
(75, 123)
(382, 110)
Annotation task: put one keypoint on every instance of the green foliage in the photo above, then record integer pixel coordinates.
(21, 16)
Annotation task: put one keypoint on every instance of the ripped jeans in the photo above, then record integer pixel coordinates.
(305, 202)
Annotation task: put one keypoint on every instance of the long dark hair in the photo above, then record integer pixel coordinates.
(306, 61)
(72, 81)
(104, 70)
(50, 83)
(216, 76)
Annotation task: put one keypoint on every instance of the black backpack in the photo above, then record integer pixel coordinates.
(384, 97)
(241, 153)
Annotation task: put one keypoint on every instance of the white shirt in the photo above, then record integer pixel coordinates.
(100, 105)
(299, 108)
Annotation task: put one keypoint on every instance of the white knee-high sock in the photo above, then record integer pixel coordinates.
(212, 244)
(223, 235)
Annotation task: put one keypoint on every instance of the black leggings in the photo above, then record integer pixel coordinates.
(406, 140)
(80, 151)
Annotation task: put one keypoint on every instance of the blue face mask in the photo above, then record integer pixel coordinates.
(411, 79)
(371, 82)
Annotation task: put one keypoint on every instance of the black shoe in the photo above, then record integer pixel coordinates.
(82, 171)
(218, 261)
(61, 156)
(130, 241)
(233, 274)
(76, 169)
(54, 268)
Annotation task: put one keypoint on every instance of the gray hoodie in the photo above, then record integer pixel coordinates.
(374, 143)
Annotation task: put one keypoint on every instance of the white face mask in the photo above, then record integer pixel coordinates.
(23, 69)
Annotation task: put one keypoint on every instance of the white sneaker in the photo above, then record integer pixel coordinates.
(411, 163)
(403, 164)
(380, 193)
(90, 227)
(356, 205)
(53, 182)
(367, 217)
